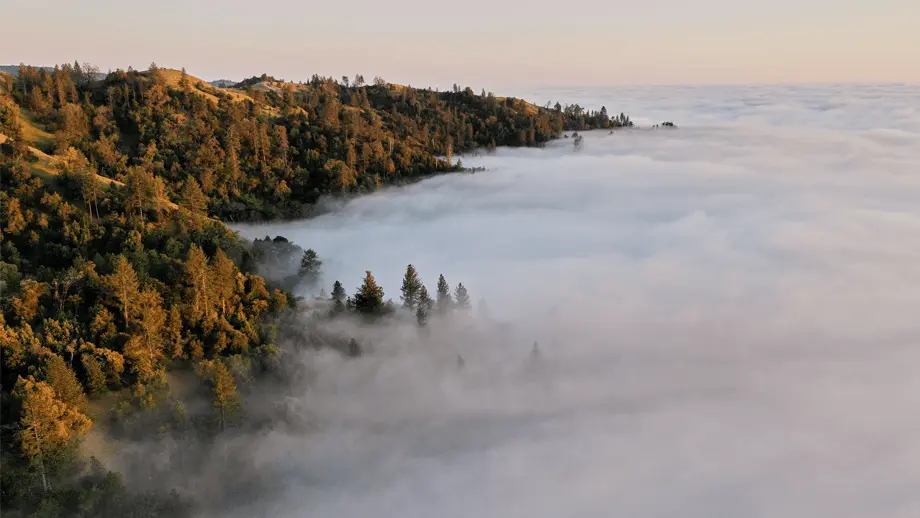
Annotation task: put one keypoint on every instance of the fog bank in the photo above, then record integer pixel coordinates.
(727, 316)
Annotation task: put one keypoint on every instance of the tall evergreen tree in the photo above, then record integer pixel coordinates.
(338, 292)
(310, 267)
(47, 426)
(123, 283)
(461, 297)
(410, 288)
(338, 299)
(369, 297)
(193, 198)
(423, 306)
(444, 299)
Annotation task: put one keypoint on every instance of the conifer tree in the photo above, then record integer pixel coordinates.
(421, 315)
(47, 425)
(444, 299)
(174, 338)
(197, 276)
(223, 280)
(310, 266)
(338, 292)
(338, 299)
(369, 297)
(145, 349)
(226, 399)
(61, 378)
(123, 283)
(424, 306)
(461, 297)
(193, 198)
(410, 288)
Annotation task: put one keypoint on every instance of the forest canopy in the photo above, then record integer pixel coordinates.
(116, 271)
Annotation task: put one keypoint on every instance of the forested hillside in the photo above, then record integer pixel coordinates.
(266, 148)
(116, 272)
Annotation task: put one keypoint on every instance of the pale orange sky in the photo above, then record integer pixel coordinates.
(483, 43)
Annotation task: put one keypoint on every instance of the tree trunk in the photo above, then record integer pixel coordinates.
(41, 462)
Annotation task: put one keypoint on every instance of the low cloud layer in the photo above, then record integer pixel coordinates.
(727, 315)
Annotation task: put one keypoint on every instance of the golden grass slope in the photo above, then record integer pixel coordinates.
(202, 87)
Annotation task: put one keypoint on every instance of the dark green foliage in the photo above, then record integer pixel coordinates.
(424, 306)
(444, 300)
(461, 297)
(410, 288)
(107, 298)
(273, 155)
(369, 297)
(107, 285)
(310, 266)
(338, 292)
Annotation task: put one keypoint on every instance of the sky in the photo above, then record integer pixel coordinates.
(482, 43)
(726, 315)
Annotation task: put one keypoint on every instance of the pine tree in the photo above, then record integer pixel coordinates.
(223, 283)
(421, 315)
(56, 373)
(184, 83)
(410, 288)
(140, 189)
(197, 276)
(226, 399)
(193, 198)
(338, 292)
(444, 300)
(461, 297)
(310, 267)
(123, 283)
(424, 306)
(174, 333)
(369, 297)
(145, 349)
(47, 425)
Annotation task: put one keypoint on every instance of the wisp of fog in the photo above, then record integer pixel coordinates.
(727, 318)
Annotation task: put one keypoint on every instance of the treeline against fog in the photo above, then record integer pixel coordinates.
(125, 300)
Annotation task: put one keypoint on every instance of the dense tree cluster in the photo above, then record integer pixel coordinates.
(265, 148)
(114, 267)
(100, 295)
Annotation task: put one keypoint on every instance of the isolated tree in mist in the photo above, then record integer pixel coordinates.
(421, 315)
(444, 300)
(338, 298)
(338, 292)
(424, 306)
(369, 297)
(226, 399)
(354, 350)
(310, 266)
(410, 288)
(461, 297)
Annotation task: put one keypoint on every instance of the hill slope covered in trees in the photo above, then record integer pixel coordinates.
(117, 276)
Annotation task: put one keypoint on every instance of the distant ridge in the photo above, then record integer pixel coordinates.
(13, 70)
